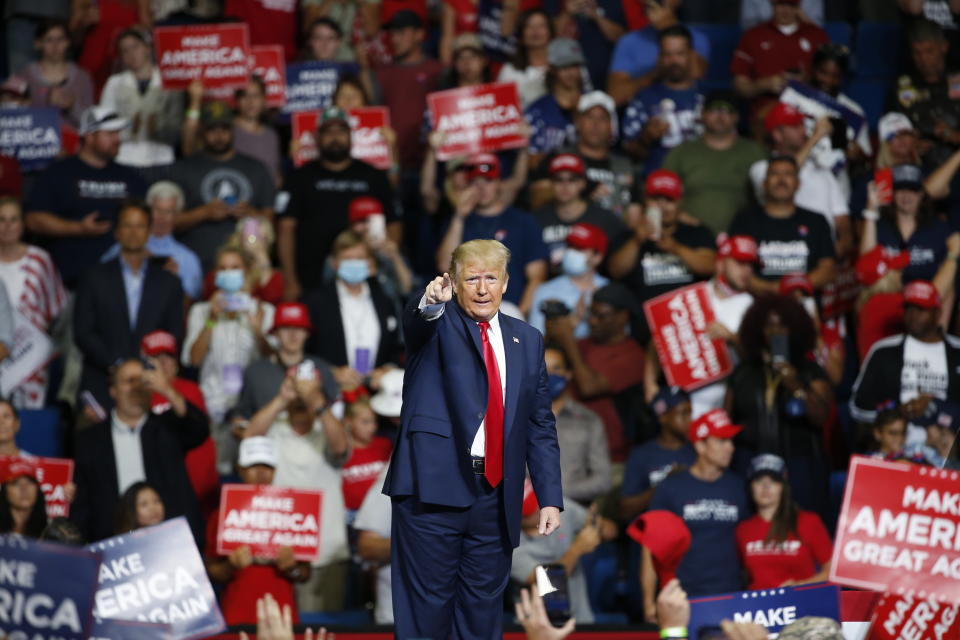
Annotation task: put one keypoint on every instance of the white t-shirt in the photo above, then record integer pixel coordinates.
(375, 515)
(301, 463)
(819, 190)
(14, 278)
(729, 312)
(361, 326)
(924, 371)
(531, 82)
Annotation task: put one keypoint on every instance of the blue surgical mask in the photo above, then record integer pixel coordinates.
(229, 280)
(556, 385)
(353, 271)
(574, 262)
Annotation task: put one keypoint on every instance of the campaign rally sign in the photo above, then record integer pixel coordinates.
(839, 296)
(475, 119)
(123, 629)
(53, 474)
(899, 530)
(817, 104)
(31, 135)
(303, 131)
(368, 143)
(773, 608)
(216, 54)
(908, 616)
(265, 518)
(156, 574)
(678, 321)
(46, 590)
(310, 85)
(267, 63)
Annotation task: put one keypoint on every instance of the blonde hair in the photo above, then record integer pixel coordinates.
(348, 240)
(490, 253)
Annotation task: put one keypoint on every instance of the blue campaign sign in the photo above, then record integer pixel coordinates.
(46, 590)
(817, 103)
(122, 629)
(310, 85)
(156, 575)
(31, 135)
(772, 608)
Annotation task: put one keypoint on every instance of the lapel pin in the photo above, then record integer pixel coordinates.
(516, 339)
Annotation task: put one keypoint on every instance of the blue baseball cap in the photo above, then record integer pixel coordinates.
(767, 463)
(943, 413)
(668, 398)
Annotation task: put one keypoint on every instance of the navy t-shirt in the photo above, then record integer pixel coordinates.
(927, 247)
(657, 271)
(679, 108)
(72, 189)
(786, 245)
(552, 126)
(649, 464)
(520, 233)
(711, 510)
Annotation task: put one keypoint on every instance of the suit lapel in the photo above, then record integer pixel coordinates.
(121, 288)
(471, 329)
(514, 357)
(148, 276)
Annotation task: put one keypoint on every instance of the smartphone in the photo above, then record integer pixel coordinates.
(239, 301)
(557, 602)
(87, 398)
(838, 137)
(655, 217)
(883, 181)
(780, 348)
(377, 228)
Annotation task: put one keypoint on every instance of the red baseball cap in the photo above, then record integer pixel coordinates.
(714, 423)
(292, 314)
(587, 236)
(794, 281)
(363, 207)
(20, 467)
(782, 115)
(663, 182)
(157, 342)
(666, 536)
(877, 262)
(568, 162)
(530, 504)
(921, 293)
(742, 248)
(484, 165)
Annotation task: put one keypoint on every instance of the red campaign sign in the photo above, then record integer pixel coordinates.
(899, 530)
(266, 518)
(476, 119)
(217, 54)
(678, 321)
(53, 474)
(907, 617)
(840, 295)
(304, 127)
(267, 61)
(367, 141)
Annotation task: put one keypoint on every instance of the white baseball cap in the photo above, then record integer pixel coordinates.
(893, 123)
(389, 400)
(257, 450)
(98, 118)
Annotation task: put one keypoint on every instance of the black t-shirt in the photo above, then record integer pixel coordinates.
(657, 271)
(555, 230)
(786, 245)
(320, 203)
(72, 189)
(615, 172)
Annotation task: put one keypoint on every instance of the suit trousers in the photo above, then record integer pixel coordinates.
(450, 567)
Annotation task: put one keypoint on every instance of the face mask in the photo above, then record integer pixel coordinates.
(353, 271)
(574, 262)
(229, 280)
(556, 384)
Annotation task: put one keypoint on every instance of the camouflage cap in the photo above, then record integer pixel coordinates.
(812, 628)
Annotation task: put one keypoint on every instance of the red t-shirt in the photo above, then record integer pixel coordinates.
(622, 365)
(361, 470)
(764, 50)
(466, 15)
(11, 180)
(269, 21)
(796, 558)
(405, 89)
(880, 317)
(239, 599)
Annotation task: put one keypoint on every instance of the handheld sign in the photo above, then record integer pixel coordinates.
(910, 617)
(156, 575)
(367, 141)
(773, 608)
(303, 130)
(123, 629)
(678, 321)
(265, 518)
(477, 119)
(898, 530)
(46, 590)
(267, 63)
(53, 474)
(310, 85)
(31, 135)
(216, 54)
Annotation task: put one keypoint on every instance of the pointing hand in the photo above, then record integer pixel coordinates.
(440, 289)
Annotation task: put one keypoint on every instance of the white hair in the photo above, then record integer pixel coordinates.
(165, 189)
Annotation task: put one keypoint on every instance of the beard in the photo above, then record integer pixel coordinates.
(335, 152)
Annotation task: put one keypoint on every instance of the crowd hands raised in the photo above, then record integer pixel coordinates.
(225, 315)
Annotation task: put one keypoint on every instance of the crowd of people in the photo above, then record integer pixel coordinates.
(200, 310)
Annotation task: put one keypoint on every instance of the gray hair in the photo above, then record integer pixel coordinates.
(165, 189)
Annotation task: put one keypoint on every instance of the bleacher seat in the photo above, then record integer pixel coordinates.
(723, 42)
(839, 32)
(877, 51)
(869, 93)
(40, 432)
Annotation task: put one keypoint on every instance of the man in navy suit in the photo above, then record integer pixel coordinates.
(476, 413)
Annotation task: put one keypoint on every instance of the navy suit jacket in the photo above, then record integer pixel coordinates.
(444, 400)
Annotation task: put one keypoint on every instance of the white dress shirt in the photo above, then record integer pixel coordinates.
(434, 311)
(127, 451)
(361, 325)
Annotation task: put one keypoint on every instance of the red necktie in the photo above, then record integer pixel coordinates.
(493, 422)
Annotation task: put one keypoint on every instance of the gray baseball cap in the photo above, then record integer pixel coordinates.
(564, 52)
